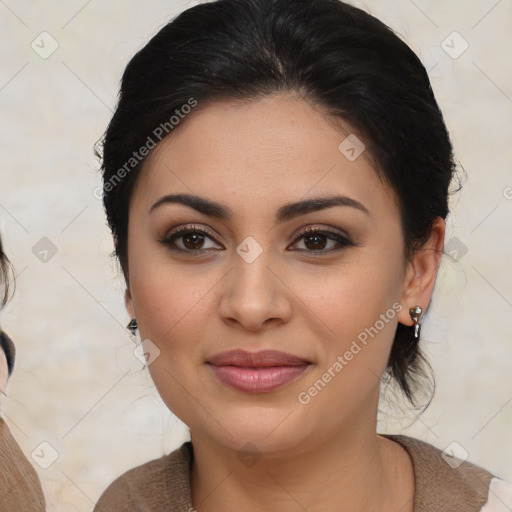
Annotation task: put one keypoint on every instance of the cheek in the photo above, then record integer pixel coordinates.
(356, 297)
(168, 306)
(166, 293)
(171, 311)
(358, 309)
(359, 306)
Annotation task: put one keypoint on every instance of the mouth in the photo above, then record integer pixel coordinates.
(257, 372)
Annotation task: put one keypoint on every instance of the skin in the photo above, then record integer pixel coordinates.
(254, 157)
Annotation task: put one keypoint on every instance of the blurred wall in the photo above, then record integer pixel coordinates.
(77, 386)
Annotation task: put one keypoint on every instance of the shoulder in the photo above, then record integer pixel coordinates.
(20, 487)
(446, 480)
(160, 484)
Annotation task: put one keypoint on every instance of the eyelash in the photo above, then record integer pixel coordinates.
(343, 240)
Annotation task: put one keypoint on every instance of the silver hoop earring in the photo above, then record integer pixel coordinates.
(415, 314)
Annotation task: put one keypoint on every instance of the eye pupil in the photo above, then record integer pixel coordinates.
(197, 240)
(316, 238)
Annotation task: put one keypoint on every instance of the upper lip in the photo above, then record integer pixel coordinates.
(263, 358)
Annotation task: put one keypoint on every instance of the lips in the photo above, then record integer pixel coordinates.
(257, 372)
(262, 359)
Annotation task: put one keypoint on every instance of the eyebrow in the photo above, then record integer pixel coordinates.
(284, 213)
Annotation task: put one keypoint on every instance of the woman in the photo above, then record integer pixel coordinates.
(276, 180)
(20, 488)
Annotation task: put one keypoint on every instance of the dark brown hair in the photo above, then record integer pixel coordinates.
(6, 343)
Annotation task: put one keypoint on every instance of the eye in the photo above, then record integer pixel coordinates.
(191, 239)
(316, 239)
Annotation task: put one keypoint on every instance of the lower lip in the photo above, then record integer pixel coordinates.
(258, 380)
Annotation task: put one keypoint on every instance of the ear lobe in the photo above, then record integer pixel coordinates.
(421, 273)
(128, 302)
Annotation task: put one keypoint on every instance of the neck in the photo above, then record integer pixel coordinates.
(355, 470)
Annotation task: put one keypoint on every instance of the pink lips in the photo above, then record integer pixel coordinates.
(257, 372)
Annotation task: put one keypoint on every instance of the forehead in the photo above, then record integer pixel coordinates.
(264, 151)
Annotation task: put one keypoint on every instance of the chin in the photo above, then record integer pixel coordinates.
(261, 431)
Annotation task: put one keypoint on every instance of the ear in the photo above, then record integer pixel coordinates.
(421, 273)
(128, 302)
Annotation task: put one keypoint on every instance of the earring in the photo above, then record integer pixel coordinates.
(132, 326)
(415, 314)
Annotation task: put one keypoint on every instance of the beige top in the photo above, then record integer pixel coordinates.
(163, 484)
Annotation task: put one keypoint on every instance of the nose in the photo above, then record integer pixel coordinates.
(255, 295)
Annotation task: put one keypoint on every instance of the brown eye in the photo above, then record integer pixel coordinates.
(193, 240)
(316, 240)
(188, 239)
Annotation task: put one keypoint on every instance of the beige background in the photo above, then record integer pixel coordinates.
(77, 384)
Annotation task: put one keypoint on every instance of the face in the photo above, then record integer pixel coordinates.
(244, 275)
